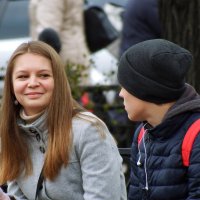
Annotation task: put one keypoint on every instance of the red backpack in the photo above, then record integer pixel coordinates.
(187, 143)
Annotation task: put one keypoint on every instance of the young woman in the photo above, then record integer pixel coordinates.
(51, 148)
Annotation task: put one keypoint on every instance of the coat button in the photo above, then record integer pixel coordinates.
(32, 130)
(38, 138)
(42, 149)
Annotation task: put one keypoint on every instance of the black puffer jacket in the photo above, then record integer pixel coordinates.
(140, 22)
(157, 171)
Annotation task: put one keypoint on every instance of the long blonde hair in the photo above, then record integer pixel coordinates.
(14, 155)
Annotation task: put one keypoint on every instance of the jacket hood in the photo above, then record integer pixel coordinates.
(188, 102)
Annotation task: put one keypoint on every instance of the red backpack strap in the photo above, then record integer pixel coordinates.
(141, 134)
(188, 141)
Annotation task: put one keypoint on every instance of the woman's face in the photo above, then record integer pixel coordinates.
(33, 82)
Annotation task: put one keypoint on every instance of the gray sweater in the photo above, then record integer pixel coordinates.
(94, 171)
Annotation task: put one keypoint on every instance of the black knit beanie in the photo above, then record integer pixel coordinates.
(154, 70)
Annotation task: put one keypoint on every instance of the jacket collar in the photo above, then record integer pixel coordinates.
(39, 125)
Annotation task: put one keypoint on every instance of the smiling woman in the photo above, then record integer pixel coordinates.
(33, 82)
(51, 147)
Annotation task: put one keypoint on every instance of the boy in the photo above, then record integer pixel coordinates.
(152, 76)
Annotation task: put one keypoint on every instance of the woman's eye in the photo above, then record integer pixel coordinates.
(22, 76)
(44, 75)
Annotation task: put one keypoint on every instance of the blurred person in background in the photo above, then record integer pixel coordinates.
(140, 22)
(66, 18)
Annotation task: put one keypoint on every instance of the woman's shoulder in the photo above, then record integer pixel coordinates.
(91, 132)
(86, 123)
(86, 119)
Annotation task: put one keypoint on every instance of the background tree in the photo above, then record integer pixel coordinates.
(180, 20)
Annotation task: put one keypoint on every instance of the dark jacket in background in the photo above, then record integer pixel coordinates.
(140, 22)
(161, 175)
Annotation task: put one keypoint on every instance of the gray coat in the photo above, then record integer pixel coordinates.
(94, 171)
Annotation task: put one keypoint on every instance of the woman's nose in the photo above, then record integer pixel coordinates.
(33, 82)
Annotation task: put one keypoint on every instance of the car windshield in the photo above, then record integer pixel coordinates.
(14, 20)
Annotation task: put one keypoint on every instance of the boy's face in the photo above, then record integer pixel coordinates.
(136, 109)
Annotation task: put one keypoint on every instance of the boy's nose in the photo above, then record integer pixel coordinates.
(120, 93)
